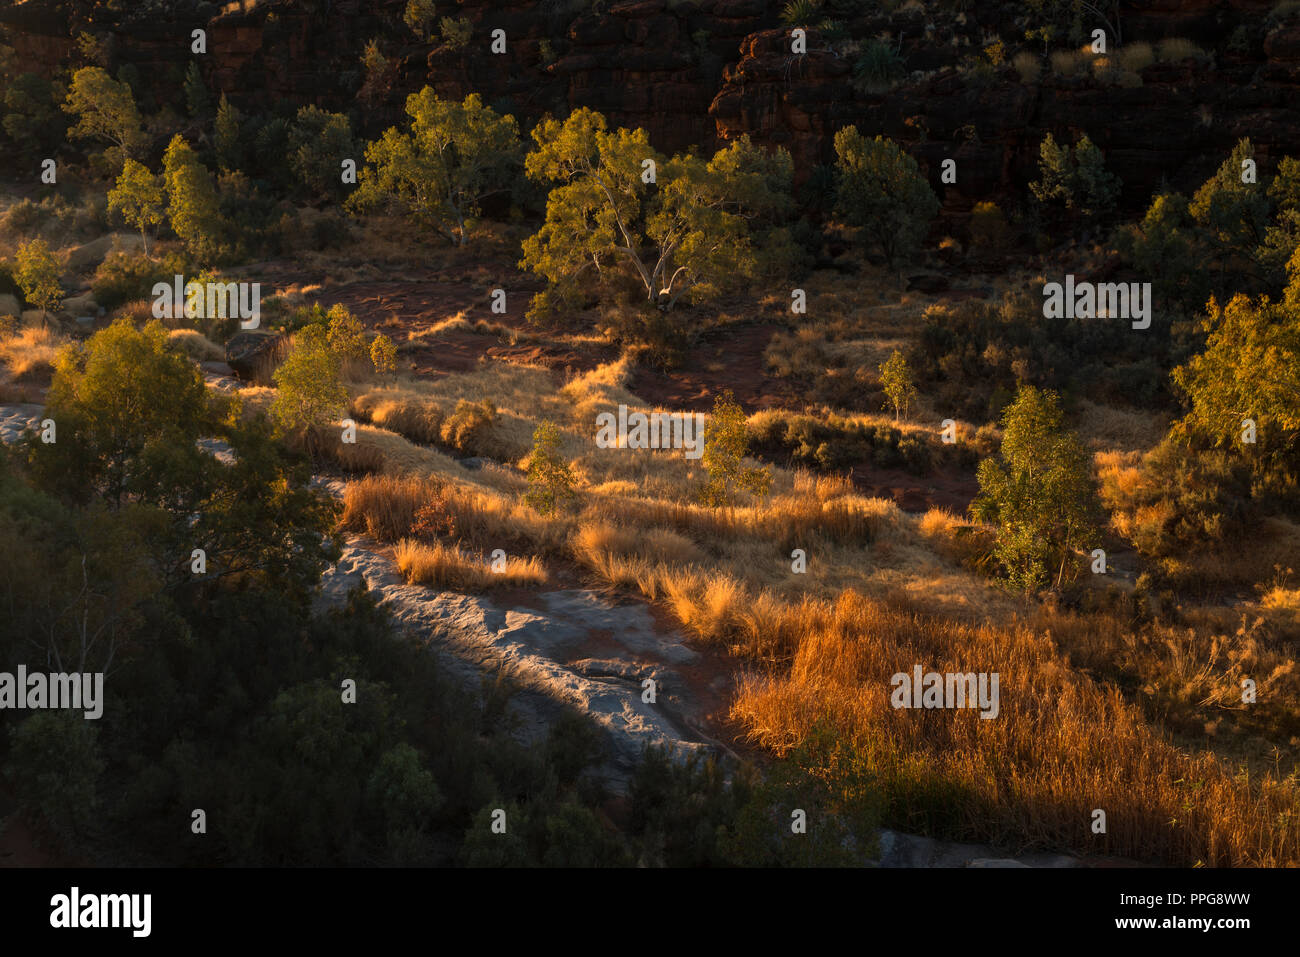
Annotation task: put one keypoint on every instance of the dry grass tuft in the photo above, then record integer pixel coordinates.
(445, 566)
(30, 354)
(196, 346)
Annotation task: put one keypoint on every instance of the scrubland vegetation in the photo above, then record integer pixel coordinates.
(1121, 688)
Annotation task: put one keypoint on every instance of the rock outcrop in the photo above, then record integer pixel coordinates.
(699, 72)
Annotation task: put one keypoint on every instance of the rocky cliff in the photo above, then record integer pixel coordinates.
(702, 72)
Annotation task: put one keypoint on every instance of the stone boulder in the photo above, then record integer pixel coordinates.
(254, 356)
(88, 256)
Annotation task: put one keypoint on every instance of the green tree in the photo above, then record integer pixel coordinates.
(319, 142)
(418, 16)
(550, 479)
(1039, 493)
(197, 98)
(346, 334)
(456, 33)
(194, 208)
(407, 796)
(131, 412)
(139, 197)
(226, 135)
(38, 275)
(1075, 178)
(1167, 247)
(383, 355)
(309, 391)
(1233, 216)
(896, 379)
(31, 114)
(55, 767)
(726, 440)
(686, 233)
(105, 110)
(451, 157)
(881, 192)
(1250, 368)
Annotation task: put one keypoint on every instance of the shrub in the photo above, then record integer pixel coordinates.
(881, 192)
(456, 33)
(725, 444)
(37, 275)
(989, 232)
(1177, 49)
(347, 339)
(896, 379)
(1040, 494)
(126, 277)
(1069, 62)
(1136, 57)
(383, 355)
(308, 389)
(470, 425)
(1028, 65)
(550, 479)
(418, 16)
(878, 67)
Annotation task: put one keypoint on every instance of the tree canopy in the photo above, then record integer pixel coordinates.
(682, 226)
(1038, 493)
(880, 190)
(450, 157)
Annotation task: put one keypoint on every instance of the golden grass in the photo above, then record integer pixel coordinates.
(826, 642)
(445, 566)
(418, 420)
(1060, 746)
(195, 345)
(29, 355)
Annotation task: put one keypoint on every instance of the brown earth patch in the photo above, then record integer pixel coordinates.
(917, 493)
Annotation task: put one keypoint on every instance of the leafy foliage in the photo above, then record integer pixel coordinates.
(193, 206)
(105, 110)
(139, 197)
(319, 142)
(1039, 492)
(37, 275)
(309, 392)
(896, 378)
(550, 479)
(688, 232)
(881, 192)
(1075, 178)
(452, 156)
(725, 443)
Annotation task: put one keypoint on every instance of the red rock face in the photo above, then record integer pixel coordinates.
(700, 73)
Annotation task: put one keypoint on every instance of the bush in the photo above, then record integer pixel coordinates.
(550, 479)
(878, 67)
(456, 33)
(383, 355)
(1177, 49)
(881, 192)
(1069, 63)
(126, 277)
(37, 275)
(989, 232)
(309, 391)
(1136, 57)
(470, 425)
(1028, 65)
